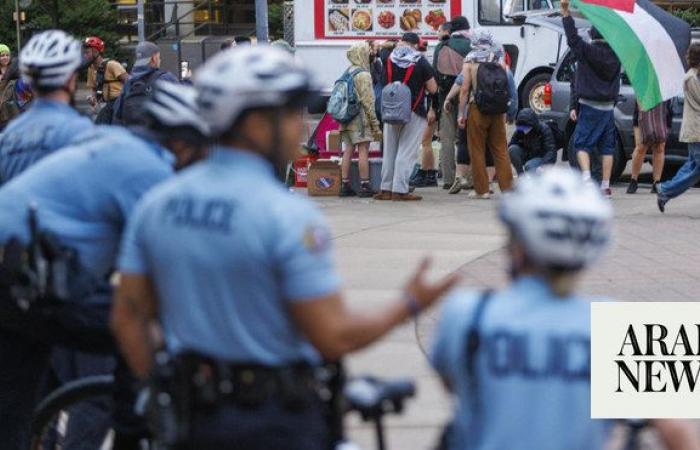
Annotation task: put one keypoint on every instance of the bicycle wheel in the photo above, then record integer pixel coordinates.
(89, 399)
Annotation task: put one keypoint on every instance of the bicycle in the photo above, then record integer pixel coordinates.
(372, 398)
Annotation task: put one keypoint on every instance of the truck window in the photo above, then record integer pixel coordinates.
(490, 12)
(497, 12)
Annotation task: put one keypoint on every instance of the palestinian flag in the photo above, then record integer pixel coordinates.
(650, 43)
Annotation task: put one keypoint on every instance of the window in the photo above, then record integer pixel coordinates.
(490, 12)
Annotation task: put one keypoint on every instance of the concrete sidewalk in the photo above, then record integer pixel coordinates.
(379, 244)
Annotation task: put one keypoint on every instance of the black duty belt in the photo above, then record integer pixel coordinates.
(246, 385)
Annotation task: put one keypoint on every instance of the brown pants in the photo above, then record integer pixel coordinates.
(483, 129)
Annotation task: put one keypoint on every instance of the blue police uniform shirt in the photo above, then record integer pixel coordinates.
(85, 193)
(47, 126)
(228, 249)
(532, 370)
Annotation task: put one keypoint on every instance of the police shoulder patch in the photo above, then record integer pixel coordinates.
(317, 238)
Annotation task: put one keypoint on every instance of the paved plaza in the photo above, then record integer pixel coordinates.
(656, 257)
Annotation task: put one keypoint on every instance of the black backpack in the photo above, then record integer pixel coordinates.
(134, 97)
(492, 95)
(100, 79)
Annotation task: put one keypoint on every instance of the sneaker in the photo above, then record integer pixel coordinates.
(365, 191)
(346, 190)
(632, 188)
(457, 185)
(431, 179)
(405, 197)
(654, 187)
(418, 180)
(474, 195)
(468, 182)
(661, 202)
(384, 195)
(607, 192)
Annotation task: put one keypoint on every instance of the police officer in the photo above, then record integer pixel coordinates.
(249, 295)
(49, 62)
(82, 196)
(518, 360)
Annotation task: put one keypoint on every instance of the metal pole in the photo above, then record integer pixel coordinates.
(261, 27)
(19, 36)
(140, 18)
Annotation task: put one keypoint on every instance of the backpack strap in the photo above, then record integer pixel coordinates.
(390, 74)
(409, 72)
(474, 340)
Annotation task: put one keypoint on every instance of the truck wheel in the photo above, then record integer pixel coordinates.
(533, 92)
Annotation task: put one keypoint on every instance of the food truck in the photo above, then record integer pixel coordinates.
(324, 29)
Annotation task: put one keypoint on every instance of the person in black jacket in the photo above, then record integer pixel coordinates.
(532, 144)
(598, 72)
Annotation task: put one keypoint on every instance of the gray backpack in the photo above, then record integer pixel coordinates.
(396, 104)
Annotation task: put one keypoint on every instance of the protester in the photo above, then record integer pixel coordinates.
(426, 175)
(598, 72)
(485, 119)
(401, 141)
(448, 60)
(533, 144)
(15, 95)
(650, 132)
(129, 107)
(689, 174)
(106, 78)
(5, 60)
(364, 127)
(376, 69)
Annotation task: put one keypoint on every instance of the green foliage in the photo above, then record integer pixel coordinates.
(691, 15)
(81, 18)
(275, 18)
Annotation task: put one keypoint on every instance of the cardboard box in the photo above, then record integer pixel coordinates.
(324, 179)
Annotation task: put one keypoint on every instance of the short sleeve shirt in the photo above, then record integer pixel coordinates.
(422, 73)
(44, 128)
(228, 249)
(532, 364)
(85, 193)
(112, 87)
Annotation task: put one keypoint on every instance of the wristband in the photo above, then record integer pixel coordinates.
(412, 305)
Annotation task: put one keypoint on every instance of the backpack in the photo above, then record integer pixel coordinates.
(134, 97)
(492, 95)
(343, 104)
(448, 61)
(559, 138)
(396, 98)
(100, 79)
(9, 109)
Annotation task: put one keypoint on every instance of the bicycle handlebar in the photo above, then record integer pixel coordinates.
(372, 397)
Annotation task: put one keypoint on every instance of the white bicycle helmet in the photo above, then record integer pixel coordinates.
(174, 105)
(562, 221)
(49, 59)
(246, 77)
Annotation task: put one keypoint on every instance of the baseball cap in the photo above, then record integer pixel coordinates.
(144, 51)
(411, 38)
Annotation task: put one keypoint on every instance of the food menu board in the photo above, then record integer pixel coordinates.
(381, 18)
